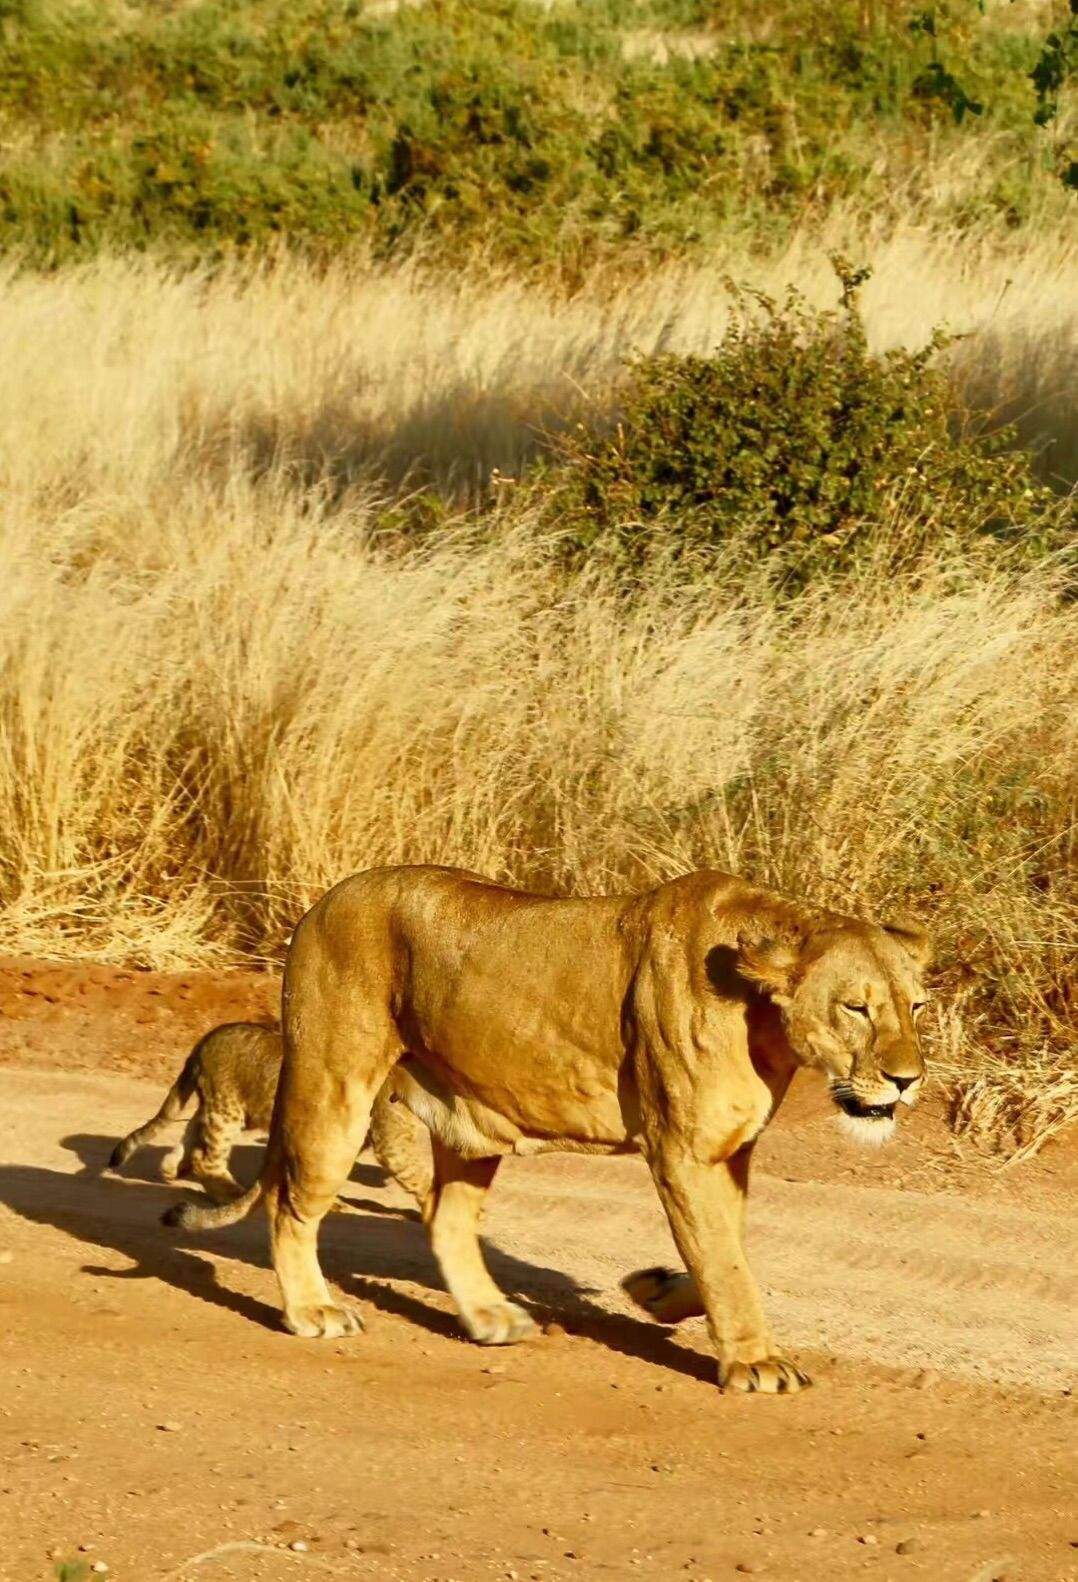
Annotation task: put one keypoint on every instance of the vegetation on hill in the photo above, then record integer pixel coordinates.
(542, 134)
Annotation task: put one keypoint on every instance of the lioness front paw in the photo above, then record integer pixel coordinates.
(770, 1376)
(323, 1323)
(666, 1295)
(498, 1324)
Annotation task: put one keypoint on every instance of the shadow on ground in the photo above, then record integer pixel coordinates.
(372, 1242)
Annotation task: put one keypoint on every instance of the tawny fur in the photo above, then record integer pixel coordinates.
(669, 1022)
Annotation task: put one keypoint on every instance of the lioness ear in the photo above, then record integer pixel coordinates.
(771, 963)
(913, 939)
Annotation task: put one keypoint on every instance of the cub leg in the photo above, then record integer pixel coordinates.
(402, 1145)
(176, 1165)
(210, 1152)
(454, 1212)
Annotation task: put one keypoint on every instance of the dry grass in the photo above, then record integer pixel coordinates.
(357, 367)
(220, 692)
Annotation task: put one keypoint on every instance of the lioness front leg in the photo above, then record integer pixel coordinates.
(670, 1296)
(454, 1211)
(703, 1202)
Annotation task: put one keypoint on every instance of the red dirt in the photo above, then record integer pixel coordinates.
(603, 1451)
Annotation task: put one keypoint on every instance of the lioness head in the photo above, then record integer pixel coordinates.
(850, 995)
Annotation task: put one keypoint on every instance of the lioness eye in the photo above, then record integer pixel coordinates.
(919, 1007)
(862, 1010)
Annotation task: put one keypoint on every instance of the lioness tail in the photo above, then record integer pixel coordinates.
(212, 1216)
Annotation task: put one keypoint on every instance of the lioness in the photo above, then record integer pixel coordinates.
(669, 1022)
(232, 1075)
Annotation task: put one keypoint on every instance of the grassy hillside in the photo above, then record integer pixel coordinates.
(546, 134)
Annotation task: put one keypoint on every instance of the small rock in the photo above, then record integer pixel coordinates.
(299, 1546)
(818, 1532)
(927, 1379)
(85, 1548)
(905, 1546)
(869, 1539)
(982, 1513)
(496, 1368)
(748, 1567)
(554, 1328)
(99, 1566)
(170, 1427)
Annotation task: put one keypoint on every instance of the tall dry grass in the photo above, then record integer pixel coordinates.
(220, 691)
(124, 372)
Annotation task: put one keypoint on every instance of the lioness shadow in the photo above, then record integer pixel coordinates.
(359, 1250)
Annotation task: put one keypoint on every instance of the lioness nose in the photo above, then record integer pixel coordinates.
(901, 1083)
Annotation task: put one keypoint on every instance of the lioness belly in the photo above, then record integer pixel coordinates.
(476, 1130)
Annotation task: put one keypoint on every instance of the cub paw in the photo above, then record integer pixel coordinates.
(666, 1295)
(171, 1165)
(769, 1376)
(323, 1323)
(499, 1324)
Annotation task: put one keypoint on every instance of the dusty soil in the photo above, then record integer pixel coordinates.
(152, 1411)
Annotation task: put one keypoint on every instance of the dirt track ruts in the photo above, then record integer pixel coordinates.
(604, 1452)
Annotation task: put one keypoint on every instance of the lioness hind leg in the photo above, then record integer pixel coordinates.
(455, 1211)
(320, 1120)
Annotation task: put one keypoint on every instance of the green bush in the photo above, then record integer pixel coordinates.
(799, 441)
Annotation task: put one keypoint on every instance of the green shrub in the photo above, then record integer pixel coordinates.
(799, 441)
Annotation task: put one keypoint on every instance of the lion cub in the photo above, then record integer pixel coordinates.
(232, 1074)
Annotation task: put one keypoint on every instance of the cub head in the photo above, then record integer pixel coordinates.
(850, 995)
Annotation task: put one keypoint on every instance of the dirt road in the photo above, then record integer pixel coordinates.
(152, 1410)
